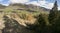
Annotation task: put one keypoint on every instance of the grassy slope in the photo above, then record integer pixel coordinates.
(22, 13)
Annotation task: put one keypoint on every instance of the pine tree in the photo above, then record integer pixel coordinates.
(41, 24)
(54, 18)
(53, 13)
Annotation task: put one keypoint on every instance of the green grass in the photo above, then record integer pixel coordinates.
(21, 12)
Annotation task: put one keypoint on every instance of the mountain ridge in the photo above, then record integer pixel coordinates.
(31, 7)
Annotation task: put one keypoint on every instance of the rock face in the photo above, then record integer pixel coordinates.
(1, 21)
(29, 19)
(13, 24)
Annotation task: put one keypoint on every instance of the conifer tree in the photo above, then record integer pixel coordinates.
(41, 24)
(54, 18)
(53, 13)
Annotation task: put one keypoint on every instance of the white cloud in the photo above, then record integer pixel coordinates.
(34, 3)
(42, 3)
(5, 4)
(18, 1)
(47, 5)
(58, 8)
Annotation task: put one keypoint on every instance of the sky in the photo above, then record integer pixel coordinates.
(43, 3)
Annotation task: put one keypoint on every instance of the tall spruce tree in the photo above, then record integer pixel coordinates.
(53, 16)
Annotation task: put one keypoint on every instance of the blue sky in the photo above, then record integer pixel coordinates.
(43, 3)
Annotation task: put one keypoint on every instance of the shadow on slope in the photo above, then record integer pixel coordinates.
(12, 26)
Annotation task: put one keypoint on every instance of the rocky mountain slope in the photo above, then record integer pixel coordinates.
(29, 7)
(20, 13)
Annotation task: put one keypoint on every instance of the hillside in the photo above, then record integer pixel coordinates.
(20, 13)
(29, 7)
(23, 18)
